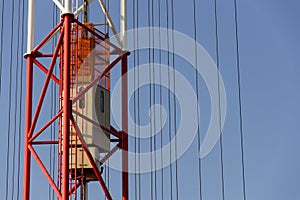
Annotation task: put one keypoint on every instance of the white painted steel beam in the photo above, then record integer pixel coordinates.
(123, 23)
(110, 22)
(30, 26)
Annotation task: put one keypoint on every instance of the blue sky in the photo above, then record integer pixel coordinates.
(269, 46)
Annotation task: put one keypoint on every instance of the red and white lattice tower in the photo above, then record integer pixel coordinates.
(82, 54)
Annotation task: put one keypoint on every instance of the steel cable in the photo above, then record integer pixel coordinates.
(219, 100)
(52, 107)
(153, 102)
(135, 98)
(8, 155)
(16, 136)
(239, 97)
(174, 99)
(197, 93)
(138, 98)
(20, 104)
(160, 99)
(169, 101)
(150, 99)
(1, 43)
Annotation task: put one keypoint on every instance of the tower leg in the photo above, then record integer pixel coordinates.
(125, 129)
(28, 119)
(66, 106)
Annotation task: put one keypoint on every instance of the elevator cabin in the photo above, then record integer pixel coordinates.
(89, 57)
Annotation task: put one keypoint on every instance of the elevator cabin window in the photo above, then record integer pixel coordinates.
(102, 101)
(81, 100)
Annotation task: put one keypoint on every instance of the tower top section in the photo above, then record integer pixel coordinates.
(71, 7)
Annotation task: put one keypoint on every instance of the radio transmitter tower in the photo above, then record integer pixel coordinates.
(84, 136)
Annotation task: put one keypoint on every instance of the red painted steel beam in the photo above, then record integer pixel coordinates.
(94, 81)
(74, 188)
(66, 105)
(91, 160)
(42, 55)
(109, 154)
(117, 134)
(53, 77)
(125, 187)
(46, 126)
(113, 130)
(28, 117)
(44, 142)
(44, 90)
(45, 171)
(47, 38)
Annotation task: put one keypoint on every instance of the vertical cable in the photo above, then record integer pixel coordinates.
(197, 93)
(174, 99)
(51, 156)
(16, 136)
(55, 108)
(169, 100)
(105, 178)
(153, 101)
(240, 97)
(219, 100)
(138, 98)
(56, 104)
(150, 100)
(9, 105)
(51, 113)
(20, 105)
(134, 98)
(1, 44)
(160, 100)
(108, 180)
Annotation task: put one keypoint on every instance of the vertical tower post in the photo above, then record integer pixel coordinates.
(66, 105)
(30, 26)
(28, 118)
(28, 111)
(68, 7)
(125, 129)
(123, 23)
(123, 38)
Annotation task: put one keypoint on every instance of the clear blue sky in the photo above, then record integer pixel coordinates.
(269, 45)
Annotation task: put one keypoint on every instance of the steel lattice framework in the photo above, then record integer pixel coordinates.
(62, 53)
